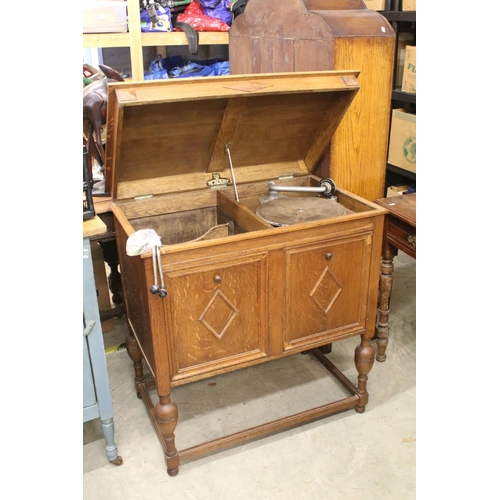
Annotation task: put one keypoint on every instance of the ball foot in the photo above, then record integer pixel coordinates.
(173, 472)
(117, 461)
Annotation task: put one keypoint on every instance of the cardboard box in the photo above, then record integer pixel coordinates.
(403, 40)
(403, 140)
(409, 5)
(375, 4)
(409, 83)
(101, 16)
(396, 191)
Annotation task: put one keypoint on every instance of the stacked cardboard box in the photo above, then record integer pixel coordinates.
(403, 140)
(396, 190)
(409, 5)
(403, 40)
(409, 82)
(100, 16)
(375, 4)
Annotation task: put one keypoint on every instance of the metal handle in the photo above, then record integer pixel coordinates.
(89, 327)
(412, 240)
(154, 287)
(217, 278)
(157, 267)
(163, 291)
(329, 256)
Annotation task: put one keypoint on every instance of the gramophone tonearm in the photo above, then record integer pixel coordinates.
(326, 186)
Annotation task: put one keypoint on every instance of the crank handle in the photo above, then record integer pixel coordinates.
(156, 289)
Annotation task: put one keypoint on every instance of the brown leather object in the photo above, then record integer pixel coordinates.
(95, 105)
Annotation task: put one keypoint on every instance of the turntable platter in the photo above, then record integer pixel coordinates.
(295, 210)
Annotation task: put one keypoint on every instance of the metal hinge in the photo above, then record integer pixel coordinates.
(286, 177)
(217, 182)
(143, 196)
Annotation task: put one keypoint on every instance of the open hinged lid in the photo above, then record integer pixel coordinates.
(171, 135)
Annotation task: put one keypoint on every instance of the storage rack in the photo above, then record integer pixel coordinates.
(135, 40)
(402, 22)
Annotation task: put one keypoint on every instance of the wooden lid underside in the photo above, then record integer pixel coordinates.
(274, 124)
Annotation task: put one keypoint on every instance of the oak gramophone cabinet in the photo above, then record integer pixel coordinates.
(260, 258)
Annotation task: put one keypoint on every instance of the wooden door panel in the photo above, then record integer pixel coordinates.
(327, 289)
(218, 315)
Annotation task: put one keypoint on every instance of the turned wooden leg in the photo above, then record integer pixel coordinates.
(166, 419)
(363, 359)
(326, 349)
(135, 354)
(386, 270)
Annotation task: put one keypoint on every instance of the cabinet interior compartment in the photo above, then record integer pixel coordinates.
(213, 214)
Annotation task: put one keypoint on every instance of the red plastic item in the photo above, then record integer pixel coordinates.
(193, 15)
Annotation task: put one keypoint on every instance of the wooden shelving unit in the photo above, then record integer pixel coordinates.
(401, 21)
(136, 40)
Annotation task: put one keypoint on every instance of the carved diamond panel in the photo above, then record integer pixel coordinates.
(325, 291)
(218, 314)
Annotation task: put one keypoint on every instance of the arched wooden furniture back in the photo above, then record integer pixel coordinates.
(307, 35)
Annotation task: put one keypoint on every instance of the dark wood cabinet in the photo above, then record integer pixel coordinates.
(316, 35)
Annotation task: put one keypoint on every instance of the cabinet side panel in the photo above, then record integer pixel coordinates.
(135, 290)
(359, 145)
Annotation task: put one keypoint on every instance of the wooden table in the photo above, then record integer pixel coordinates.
(107, 242)
(400, 233)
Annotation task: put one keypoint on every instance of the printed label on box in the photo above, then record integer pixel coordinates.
(403, 141)
(409, 83)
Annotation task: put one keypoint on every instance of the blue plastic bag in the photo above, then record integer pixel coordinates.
(159, 22)
(218, 9)
(200, 69)
(156, 70)
(176, 67)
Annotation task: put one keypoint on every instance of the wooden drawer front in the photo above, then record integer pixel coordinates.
(218, 315)
(402, 236)
(327, 290)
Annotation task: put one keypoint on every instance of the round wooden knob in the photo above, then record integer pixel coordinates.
(217, 278)
(328, 256)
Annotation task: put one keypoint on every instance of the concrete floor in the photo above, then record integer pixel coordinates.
(345, 456)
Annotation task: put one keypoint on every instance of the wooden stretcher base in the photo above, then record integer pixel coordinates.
(263, 430)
